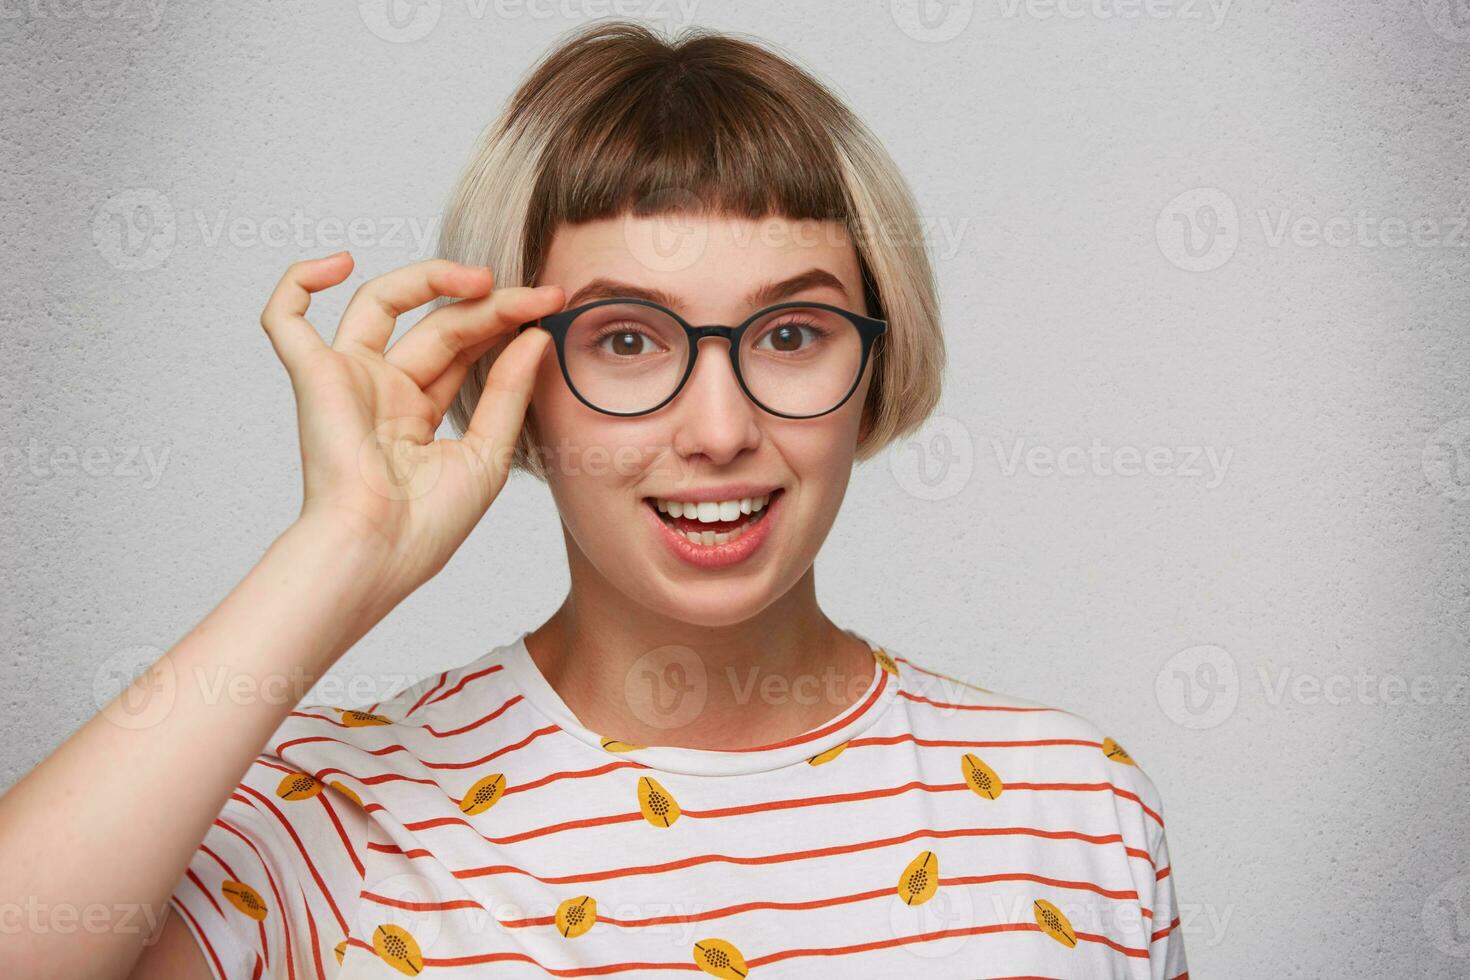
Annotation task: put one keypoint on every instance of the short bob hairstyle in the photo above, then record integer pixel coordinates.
(617, 120)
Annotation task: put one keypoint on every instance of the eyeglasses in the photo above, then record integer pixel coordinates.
(625, 356)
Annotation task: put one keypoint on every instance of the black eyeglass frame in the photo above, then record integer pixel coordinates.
(557, 324)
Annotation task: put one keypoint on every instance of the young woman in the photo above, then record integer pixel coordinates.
(688, 767)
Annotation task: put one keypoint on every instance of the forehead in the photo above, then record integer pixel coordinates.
(709, 264)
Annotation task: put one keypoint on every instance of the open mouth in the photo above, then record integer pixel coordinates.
(712, 523)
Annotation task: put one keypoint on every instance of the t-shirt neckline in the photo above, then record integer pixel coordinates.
(881, 691)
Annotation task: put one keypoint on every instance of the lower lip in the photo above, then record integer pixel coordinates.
(716, 555)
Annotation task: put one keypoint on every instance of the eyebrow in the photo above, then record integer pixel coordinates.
(771, 292)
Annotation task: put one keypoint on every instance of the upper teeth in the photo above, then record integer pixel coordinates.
(710, 511)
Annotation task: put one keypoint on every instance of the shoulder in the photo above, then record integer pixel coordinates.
(435, 706)
(1047, 742)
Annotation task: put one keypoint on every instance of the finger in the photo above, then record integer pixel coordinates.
(284, 316)
(443, 389)
(496, 422)
(436, 341)
(374, 309)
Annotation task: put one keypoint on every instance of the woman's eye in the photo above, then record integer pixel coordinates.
(788, 338)
(626, 343)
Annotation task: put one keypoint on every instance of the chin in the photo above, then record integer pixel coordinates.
(710, 604)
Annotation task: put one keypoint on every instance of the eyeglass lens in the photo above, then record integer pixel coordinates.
(630, 358)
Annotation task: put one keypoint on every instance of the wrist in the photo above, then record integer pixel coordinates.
(347, 566)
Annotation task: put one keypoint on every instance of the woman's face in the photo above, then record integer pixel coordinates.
(711, 443)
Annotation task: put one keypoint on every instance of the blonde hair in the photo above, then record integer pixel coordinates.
(617, 120)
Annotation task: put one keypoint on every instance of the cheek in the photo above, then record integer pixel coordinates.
(590, 457)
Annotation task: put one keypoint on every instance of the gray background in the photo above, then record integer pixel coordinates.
(1279, 640)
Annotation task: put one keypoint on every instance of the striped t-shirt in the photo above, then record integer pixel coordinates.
(471, 826)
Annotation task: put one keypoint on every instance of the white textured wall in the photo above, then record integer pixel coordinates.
(1279, 636)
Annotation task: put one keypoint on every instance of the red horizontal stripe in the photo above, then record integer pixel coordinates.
(427, 694)
(427, 728)
(1125, 950)
(465, 680)
(954, 743)
(966, 707)
(842, 721)
(927, 937)
(789, 856)
(510, 838)
(756, 962)
(390, 749)
(944, 677)
(574, 774)
(1160, 934)
(754, 906)
(687, 966)
(398, 903)
(1120, 894)
(720, 813)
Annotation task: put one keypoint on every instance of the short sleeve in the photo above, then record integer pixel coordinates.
(273, 886)
(1166, 948)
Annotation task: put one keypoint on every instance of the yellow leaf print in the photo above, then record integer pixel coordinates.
(980, 777)
(920, 880)
(245, 898)
(1054, 923)
(824, 757)
(1117, 753)
(346, 791)
(886, 661)
(618, 745)
(483, 795)
(298, 786)
(398, 949)
(576, 915)
(361, 719)
(657, 804)
(720, 959)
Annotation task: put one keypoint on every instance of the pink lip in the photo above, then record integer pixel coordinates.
(718, 555)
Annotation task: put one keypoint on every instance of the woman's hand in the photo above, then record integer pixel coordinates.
(372, 467)
(386, 505)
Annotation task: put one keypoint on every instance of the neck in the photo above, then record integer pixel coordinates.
(643, 677)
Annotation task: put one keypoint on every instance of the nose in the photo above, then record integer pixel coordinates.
(713, 418)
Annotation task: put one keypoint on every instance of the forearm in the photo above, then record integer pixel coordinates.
(113, 816)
